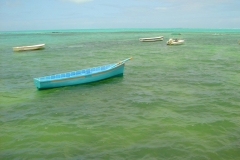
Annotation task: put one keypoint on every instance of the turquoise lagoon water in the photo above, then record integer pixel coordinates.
(173, 102)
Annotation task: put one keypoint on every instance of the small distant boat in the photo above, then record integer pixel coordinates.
(175, 41)
(81, 76)
(217, 34)
(27, 48)
(151, 39)
(176, 33)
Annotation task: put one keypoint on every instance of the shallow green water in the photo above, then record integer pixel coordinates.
(173, 102)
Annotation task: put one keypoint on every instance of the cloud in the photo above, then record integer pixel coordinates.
(79, 1)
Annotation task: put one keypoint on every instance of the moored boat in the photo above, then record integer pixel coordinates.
(151, 39)
(176, 33)
(175, 41)
(81, 76)
(27, 48)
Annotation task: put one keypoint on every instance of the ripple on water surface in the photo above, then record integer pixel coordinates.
(173, 102)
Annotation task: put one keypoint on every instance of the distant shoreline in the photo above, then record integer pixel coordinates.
(211, 30)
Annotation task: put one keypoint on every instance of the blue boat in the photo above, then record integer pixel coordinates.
(80, 76)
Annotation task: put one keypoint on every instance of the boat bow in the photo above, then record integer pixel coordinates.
(121, 63)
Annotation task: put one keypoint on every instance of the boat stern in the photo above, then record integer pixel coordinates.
(37, 83)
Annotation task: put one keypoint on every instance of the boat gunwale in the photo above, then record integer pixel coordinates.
(152, 38)
(36, 45)
(112, 67)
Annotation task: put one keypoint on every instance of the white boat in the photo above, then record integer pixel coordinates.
(175, 41)
(27, 48)
(151, 39)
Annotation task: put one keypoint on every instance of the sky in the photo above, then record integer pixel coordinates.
(16, 15)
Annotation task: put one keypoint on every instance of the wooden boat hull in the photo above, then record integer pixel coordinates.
(152, 39)
(28, 48)
(80, 76)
